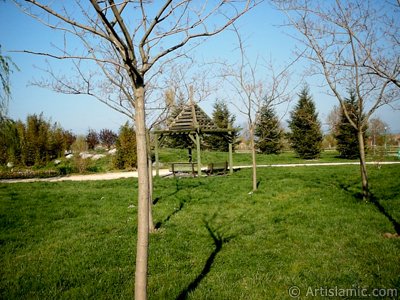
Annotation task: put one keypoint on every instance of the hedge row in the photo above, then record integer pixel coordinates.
(25, 174)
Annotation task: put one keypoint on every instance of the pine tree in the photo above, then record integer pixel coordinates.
(222, 117)
(346, 134)
(306, 135)
(268, 132)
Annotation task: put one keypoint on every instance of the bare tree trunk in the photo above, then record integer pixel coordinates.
(150, 166)
(143, 198)
(253, 156)
(363, 166)
(150, 170)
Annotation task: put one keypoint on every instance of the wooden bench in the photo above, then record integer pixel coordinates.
(181, 167)
(218, 168)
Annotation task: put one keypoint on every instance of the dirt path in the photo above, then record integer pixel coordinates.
(102, 176)
(165, 172)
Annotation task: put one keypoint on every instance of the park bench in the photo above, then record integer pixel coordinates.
(217, 168)
(185, 168)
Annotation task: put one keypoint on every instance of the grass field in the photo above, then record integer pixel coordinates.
(305, 227)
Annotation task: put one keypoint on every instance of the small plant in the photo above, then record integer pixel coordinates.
(78, 147)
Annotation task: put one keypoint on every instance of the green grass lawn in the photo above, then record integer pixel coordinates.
(304, 227)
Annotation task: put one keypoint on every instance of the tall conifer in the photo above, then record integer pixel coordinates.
(346, 137)
(268, 132)
(306, 135)
(222, 117)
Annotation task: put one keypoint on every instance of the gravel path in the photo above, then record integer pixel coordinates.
(102, 176)
(165, 172)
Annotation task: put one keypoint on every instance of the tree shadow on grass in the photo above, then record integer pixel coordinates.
(219, 240)
(178, 187)
(374, 200)
(178, 209)
(182, 201)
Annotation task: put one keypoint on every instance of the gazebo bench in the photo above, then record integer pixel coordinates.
(181, 167)
(219, 168)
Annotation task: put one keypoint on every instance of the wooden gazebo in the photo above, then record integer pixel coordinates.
(193, 122)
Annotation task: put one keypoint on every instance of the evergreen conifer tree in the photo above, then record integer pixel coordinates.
(268, 132)
(306, 135)
(346, 134)
(222, 117)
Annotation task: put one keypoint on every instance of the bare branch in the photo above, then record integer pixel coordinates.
(66, 20)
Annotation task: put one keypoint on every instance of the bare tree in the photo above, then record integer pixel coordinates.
(255, 91)
(333, 119)
(129, 43)
(377, 131)
(354, 45)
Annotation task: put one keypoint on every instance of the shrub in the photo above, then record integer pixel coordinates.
(126, 157)
(26, 174)
(78, 147)
(10, 146)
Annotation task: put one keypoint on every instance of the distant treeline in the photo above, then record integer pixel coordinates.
(39, 141)
(35, 142)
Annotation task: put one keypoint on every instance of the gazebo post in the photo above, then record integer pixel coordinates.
(198, 154)
(156, 154)
(230, 150)
(190, 154)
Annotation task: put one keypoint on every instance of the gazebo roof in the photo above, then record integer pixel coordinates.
(191, 118)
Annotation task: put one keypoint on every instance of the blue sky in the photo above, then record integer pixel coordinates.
(79, 113)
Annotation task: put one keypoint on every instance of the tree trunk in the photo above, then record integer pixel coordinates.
(253, 156)
(150, 166)
(363, 166)
(143, 198)
(230, 150)
(150, 171)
